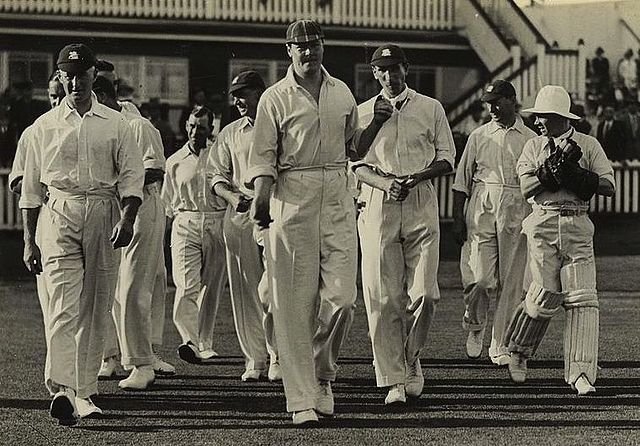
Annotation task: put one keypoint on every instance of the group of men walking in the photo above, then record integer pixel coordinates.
(269, 205)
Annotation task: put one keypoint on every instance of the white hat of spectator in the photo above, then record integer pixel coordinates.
(552, 99)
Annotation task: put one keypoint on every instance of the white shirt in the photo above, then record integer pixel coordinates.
(536, 151)
(491, 155)
(186, 183)
(411, 139)
(80, 154)
(228, 160)
(292, 131)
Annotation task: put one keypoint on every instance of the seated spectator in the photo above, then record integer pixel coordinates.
(582, 125)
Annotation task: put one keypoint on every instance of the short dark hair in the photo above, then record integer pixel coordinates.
(201, 110)
(103, 85)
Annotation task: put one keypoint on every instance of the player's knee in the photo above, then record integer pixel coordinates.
(578, 276)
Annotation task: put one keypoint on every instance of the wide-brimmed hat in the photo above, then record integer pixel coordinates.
(552, 99)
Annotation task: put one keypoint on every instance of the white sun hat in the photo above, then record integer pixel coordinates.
(552, 99)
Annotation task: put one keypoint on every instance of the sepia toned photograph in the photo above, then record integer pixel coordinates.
(320, 222)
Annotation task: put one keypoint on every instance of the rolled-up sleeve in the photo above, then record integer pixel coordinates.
(264, 148)
(19, 160)
(466, 167)
(219, 161)
(150, 143)
(444, 145)
(129, 162)
(600, 164)
(31, 196)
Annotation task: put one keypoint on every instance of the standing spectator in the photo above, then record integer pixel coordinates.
(627, 75)
(630, 120)
(583, 126)
(158, 115)
(611, 135)
(600, 76)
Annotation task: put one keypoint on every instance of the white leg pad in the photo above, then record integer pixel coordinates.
(581, 321)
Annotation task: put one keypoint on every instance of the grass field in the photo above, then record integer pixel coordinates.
(465, 402)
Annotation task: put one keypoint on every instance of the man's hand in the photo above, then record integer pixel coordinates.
(122, 233)
(459, 231)
(396, 190)
(260, 211)
(32, 257)
(382, 110)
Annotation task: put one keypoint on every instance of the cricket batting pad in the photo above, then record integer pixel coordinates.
(581, 321)
(531, 319)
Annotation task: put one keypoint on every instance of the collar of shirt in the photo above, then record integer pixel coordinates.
(566, 135)
(96, 109)
(245, 122)
(398, 99)
(185, 151)
(518, 126)
(290, 79)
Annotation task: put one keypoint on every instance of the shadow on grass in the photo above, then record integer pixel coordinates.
(344, 422)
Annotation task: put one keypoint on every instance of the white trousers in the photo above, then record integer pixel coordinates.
(250, 302)
(80, 270)
(311, 262)
(400, 255)
(199, 273)
(141, 264)
(493, 259)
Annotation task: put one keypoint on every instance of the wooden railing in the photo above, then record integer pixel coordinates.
(625, 201)
(403, 14)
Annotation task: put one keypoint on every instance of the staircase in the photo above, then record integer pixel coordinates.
(519, 54)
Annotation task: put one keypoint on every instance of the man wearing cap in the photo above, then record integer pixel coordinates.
(197, 245)
(250, 302)
(399, 226)
(134, 312)
(86, 156)
(302, 137)
(488, 210)
(560, 171)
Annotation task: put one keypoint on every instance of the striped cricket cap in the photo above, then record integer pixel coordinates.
(302, 31)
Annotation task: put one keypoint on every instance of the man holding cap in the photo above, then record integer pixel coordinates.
(86, 156)
(399, 226)
(560, 171)
(488, 210)
(303, 131)
(250, 301)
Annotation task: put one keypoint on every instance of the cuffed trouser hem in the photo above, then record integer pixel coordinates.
(137, 362)
(86, 392)
(300, 404)
(326, 376)
(473, 327)
(250, 364)
(527, 352)
(388, 381)
(497, 351)
(53, 387)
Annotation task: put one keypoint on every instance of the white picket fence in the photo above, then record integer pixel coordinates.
(626, 200)
(402, 14)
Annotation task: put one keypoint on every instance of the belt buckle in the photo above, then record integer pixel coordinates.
(568, 212)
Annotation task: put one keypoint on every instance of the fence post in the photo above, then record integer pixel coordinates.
(582, 71)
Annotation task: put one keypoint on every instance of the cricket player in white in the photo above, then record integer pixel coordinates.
(304, 126)
(197, 245)
(488, 209)
(250, 301)
(141, 261)
(399, 225)
(86, 156)
(560, 172)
